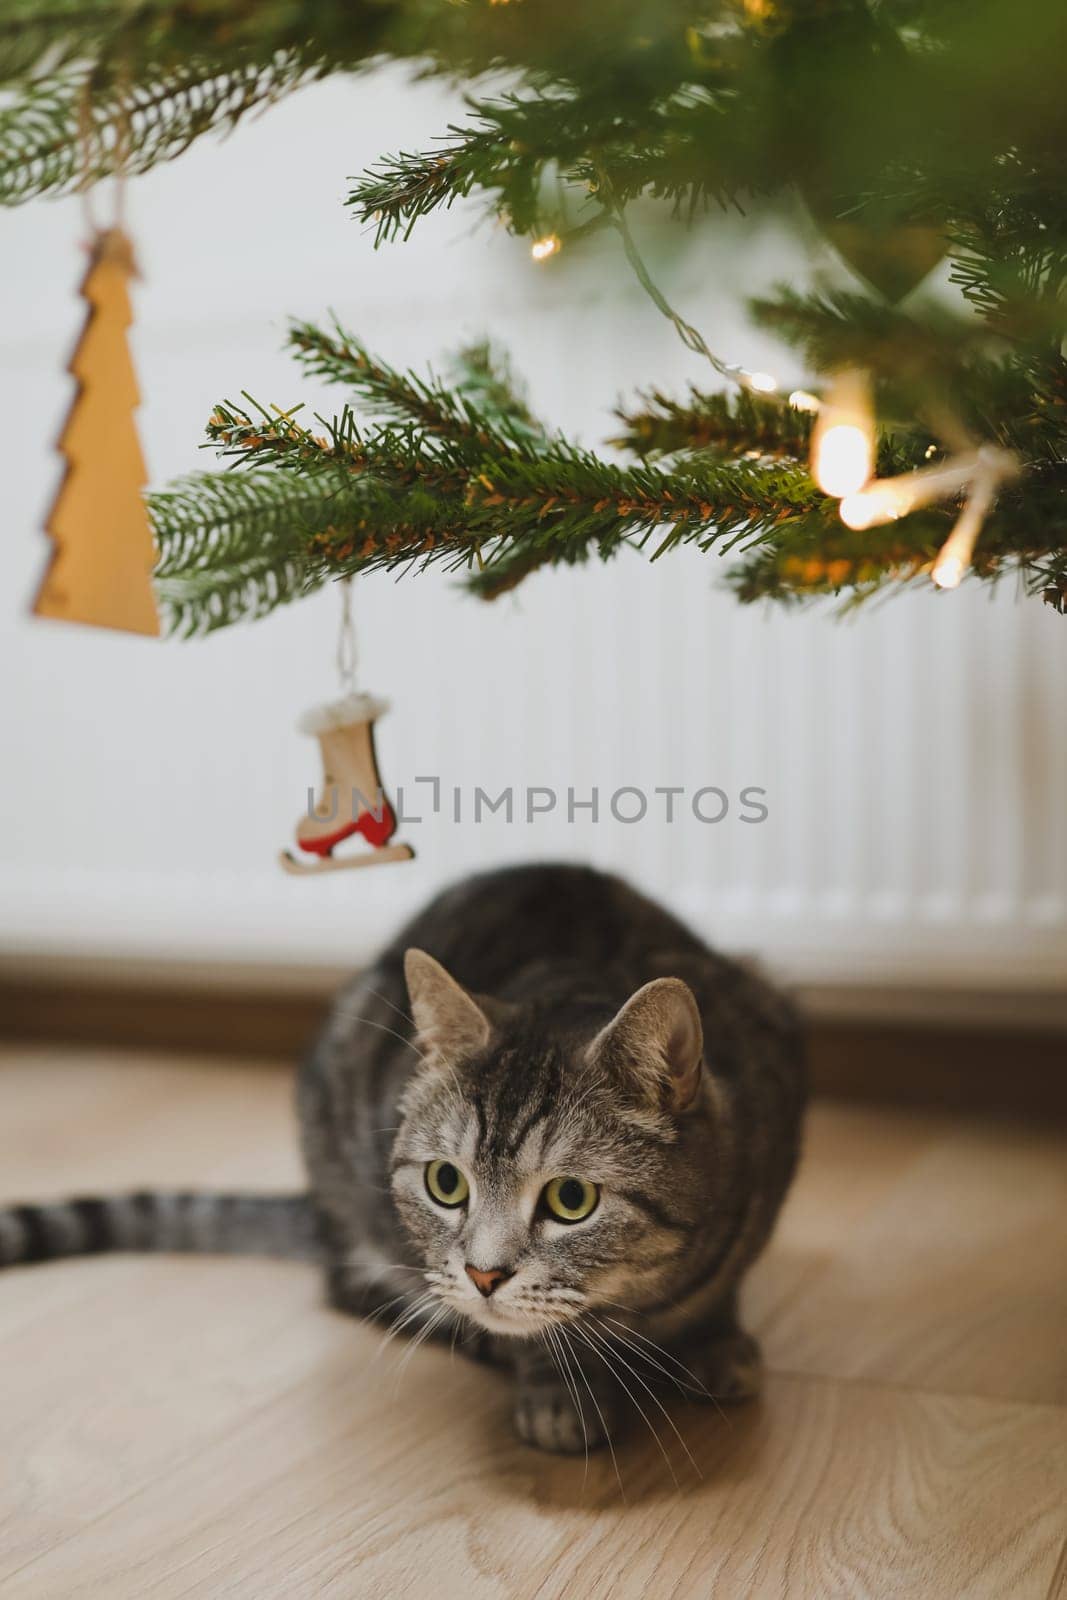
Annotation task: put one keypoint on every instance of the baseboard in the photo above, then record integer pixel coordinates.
(869, 1046)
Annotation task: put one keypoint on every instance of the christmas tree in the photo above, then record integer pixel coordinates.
(929, 444)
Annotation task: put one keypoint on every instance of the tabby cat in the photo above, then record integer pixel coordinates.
(574, 1147)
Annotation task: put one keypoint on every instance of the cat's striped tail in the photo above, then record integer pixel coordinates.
(160, 1220)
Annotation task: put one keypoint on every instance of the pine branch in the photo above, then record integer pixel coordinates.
(507, 570)
(438, 411)
(230, 517)
(36, 39)
(728, 424)
(840, 329)
(341, 359)
(928, 363)
(816, 556)
(1009, 246)
(316, 505)
(483, 399)
(197, 603)
(444, 481)
(48, 145)
(232, 546)
(677, 149)
(153, 44)
(687, 101)
(399, 189)
(484, 376)
(142, 40)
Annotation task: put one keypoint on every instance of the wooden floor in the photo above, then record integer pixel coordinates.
(176, 1427)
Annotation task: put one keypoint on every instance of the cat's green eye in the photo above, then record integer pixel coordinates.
(446, 1184)
(570, 1199)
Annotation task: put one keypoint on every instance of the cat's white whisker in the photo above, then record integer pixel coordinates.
(416, 1309)
(384, 998)
(637, 1351)
(565, 1343)
(408, 1314)
(432, 1324)
(369, 1022)
(358, 1260)
(379, 1311)
(572, 1390)
(583, 1335)
(692, 1381)
(654, 1398)
(688, 1379)
(353, 1016)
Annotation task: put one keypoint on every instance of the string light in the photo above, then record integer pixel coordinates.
(550, 245)
(948, 573)
(803, 400)
(842, 453)
(842, 459)
(956, 552)
(881, 501)
(886, 499)
(843, 438)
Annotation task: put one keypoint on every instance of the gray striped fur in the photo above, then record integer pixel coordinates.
(688, 1201)
(205, 1223)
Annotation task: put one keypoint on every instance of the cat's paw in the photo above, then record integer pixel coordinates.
(729, 1368)
(546, 1418)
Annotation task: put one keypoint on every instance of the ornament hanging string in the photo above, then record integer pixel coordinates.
(347, 657)
(87, 137)
(85, 123)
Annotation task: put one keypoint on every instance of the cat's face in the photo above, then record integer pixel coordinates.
(539, 1177)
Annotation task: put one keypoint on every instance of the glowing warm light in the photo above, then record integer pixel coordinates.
(762, 382)
(802, 400)
(955, 555)
(878, 502)
(959, 548)
(948, 572)
(860, 510)
(542, 249)
(843, 459)
(842, 446)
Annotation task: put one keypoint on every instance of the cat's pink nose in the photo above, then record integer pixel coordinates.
(486, 1279)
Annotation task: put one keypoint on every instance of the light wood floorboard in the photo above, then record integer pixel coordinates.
(177, 1427)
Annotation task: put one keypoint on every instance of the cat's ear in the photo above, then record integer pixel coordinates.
(448, 1021)
(655, 1043)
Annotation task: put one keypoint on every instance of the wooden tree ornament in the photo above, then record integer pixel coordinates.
(100, 572)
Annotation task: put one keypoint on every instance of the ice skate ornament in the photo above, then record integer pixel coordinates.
(351, 804)
(352, 801)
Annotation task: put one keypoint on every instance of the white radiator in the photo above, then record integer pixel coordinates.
(912, 761)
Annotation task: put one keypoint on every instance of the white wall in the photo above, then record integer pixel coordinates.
(914, 758)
